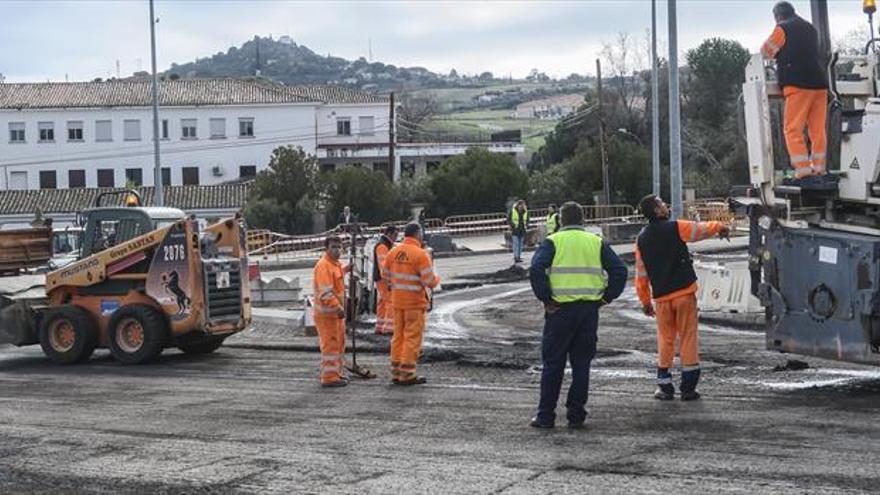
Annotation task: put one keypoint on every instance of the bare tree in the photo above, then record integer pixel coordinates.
(413, 113)
(623, 59)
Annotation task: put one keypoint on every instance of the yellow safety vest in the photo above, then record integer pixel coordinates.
(576, 273)
(514, 217)
(552, 223)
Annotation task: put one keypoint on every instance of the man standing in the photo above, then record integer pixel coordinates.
(384, 313)
(794, 44)
(329, 289)
(519, 225)
(346, 218)
(568, 275)
(552, 223)
(408, 267)
(664, 270)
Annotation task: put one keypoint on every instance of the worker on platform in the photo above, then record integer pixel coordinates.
(794, 44)
(329, 290)
(665, 272)
(384, 312)
(573, 274)
(519, 226)
(552, 222)
(409, 269)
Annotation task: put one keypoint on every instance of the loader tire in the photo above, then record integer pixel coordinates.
(68, 334)
(202, 347)
(138, 334)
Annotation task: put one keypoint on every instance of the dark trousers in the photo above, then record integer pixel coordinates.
(569, 335)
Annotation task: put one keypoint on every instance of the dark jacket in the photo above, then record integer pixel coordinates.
(543, 259)
(797, 62)
(666, 258)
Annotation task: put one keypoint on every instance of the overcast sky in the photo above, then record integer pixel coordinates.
(50, 40)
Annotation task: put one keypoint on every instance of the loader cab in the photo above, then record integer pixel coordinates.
(107, 226)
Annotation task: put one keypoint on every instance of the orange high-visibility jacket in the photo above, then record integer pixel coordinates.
(688, 232)
(381, 252)
(410, 271)
(329, 286)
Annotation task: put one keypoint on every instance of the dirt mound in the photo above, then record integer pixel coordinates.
(513, 273)
(792, 365)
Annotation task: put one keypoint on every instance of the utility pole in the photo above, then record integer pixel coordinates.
(606, 196)
(655, 103)
(674, 118)
(391, 167)
(159, 196)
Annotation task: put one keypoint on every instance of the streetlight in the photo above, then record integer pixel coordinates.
(625, 132)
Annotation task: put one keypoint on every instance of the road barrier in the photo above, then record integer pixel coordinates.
(264, 243)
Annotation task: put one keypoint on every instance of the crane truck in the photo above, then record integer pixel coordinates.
(146, 279)
(814, 249)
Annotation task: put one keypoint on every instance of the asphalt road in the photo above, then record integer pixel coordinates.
(256, 421)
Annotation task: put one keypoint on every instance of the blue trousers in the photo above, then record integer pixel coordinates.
(569, 335)
(517, 242)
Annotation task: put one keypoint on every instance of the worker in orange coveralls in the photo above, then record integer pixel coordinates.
(411, 273)
(794, 44)
(329, 287)
(664, 271)
(384, 312)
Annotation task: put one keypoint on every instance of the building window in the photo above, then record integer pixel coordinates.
(432, 166)
(190, 176)
(134, 177)
(16, 133)
(357, 165)
(328, 167)
(188, 129)
(76, 178)
(106, 177)
(218, 128)
(166, 176)
(164, 128)
(18, 181)
(343, 126)
(247, 171)
(408, 169)
(48, 179)
(74, 131)
(103, 131)
(131, 130)
(47, 132)
(366, 126)
(245, 127)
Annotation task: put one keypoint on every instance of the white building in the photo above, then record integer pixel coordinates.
(99, 134)
(554, 107)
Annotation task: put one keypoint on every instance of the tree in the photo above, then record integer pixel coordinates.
(283, 196)
(369, 194)
(716, 73)
(413, 113)
(476, 182)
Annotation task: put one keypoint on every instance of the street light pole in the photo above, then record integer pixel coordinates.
(159, 197)
(655, 103)
(606, 196)
(674, 117)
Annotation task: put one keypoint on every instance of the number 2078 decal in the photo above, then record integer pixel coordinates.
(175, 252)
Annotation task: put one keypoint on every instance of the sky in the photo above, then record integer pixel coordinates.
(51, 40)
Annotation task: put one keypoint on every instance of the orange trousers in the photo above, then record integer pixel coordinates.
(677, 319)
(331, 338)
(384, 312)
(806, 108)
(406, 344)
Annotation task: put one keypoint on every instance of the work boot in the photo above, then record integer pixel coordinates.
(336, 384)
(536, 423)
(661, 394)
(690, 395)
(419, 380)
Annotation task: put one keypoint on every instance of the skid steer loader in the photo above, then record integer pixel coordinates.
(146, 279)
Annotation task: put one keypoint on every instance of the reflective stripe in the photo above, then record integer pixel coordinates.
(580, 291)
(641, 274)
(795, 159)
(404, 276)
(694, 367)
(771, 48)
(818, 156)
(695, 231)
(413, 288)
(430, 269)
(574, 270)
(325, 286)
(664, 381)
(326, 309)
(406, 366)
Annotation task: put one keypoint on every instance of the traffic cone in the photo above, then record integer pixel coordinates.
(308, 318)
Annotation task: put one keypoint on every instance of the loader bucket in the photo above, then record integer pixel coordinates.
(18, 324)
